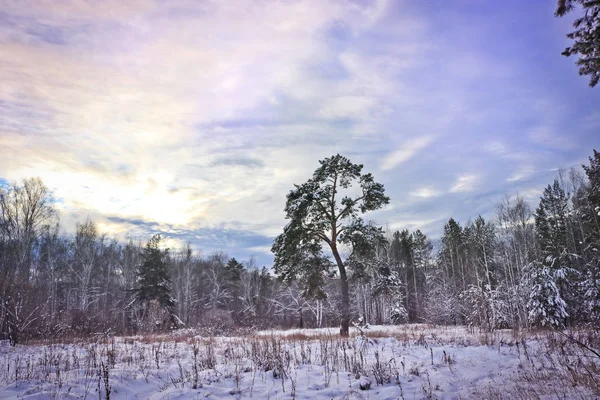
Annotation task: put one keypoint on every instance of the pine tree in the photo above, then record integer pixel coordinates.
(586, 36)
(325, 211)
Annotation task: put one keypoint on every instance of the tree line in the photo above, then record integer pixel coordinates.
(523, 267)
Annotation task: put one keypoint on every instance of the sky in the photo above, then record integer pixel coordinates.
(194, 119)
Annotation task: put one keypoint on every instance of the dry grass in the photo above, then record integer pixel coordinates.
(563, 366)
(552, 365)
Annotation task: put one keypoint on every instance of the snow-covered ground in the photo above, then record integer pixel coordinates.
(388, 362)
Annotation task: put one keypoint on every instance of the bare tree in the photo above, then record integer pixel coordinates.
(26, 212)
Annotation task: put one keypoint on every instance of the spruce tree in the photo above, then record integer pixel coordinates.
(233, 284)
(590, 215)
(153, 281)
(546, 304)
(234, 270)
(551, 219)
(552, 278)
(421, 261)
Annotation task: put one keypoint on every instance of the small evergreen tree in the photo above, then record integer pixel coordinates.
(546, 305)
(553, 278)
(388, 283)
(233, 285)
(153, 281)
(442, 305)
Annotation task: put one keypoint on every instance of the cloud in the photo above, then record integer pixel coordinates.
(531, 194)
(196, 118)
(425, 192)
(502, 150)
(238, 162)
(465, 183)
(406, 222)
(229, 239)
(408, 150)
(545, 136)
(522, 173)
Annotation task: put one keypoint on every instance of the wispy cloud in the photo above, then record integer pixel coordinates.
(425, 192)
(521, 173)
(407, 150)
(465, 183)
(545, 136)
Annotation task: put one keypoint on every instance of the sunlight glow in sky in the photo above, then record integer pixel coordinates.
(195, 118)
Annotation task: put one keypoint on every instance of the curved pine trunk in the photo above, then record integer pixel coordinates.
(345, 309)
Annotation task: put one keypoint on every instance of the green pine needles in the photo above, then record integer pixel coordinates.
(326, 211)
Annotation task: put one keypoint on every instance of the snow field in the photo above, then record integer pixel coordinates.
(391, 362)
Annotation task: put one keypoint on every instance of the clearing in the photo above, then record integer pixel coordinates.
(381, 362)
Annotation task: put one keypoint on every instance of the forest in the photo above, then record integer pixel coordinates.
(524, 266)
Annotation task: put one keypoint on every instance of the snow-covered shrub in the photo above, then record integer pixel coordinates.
(361, 324)
(485, 307)
(475, 299)
(217, 322)
(398, 314)
(443, 305)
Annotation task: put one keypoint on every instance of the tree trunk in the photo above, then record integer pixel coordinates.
(345, 317)
(345, 309)
(416, 293)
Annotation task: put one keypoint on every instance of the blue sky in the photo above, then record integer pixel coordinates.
(195, 119)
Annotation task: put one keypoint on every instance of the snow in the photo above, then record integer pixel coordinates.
(389, 362)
